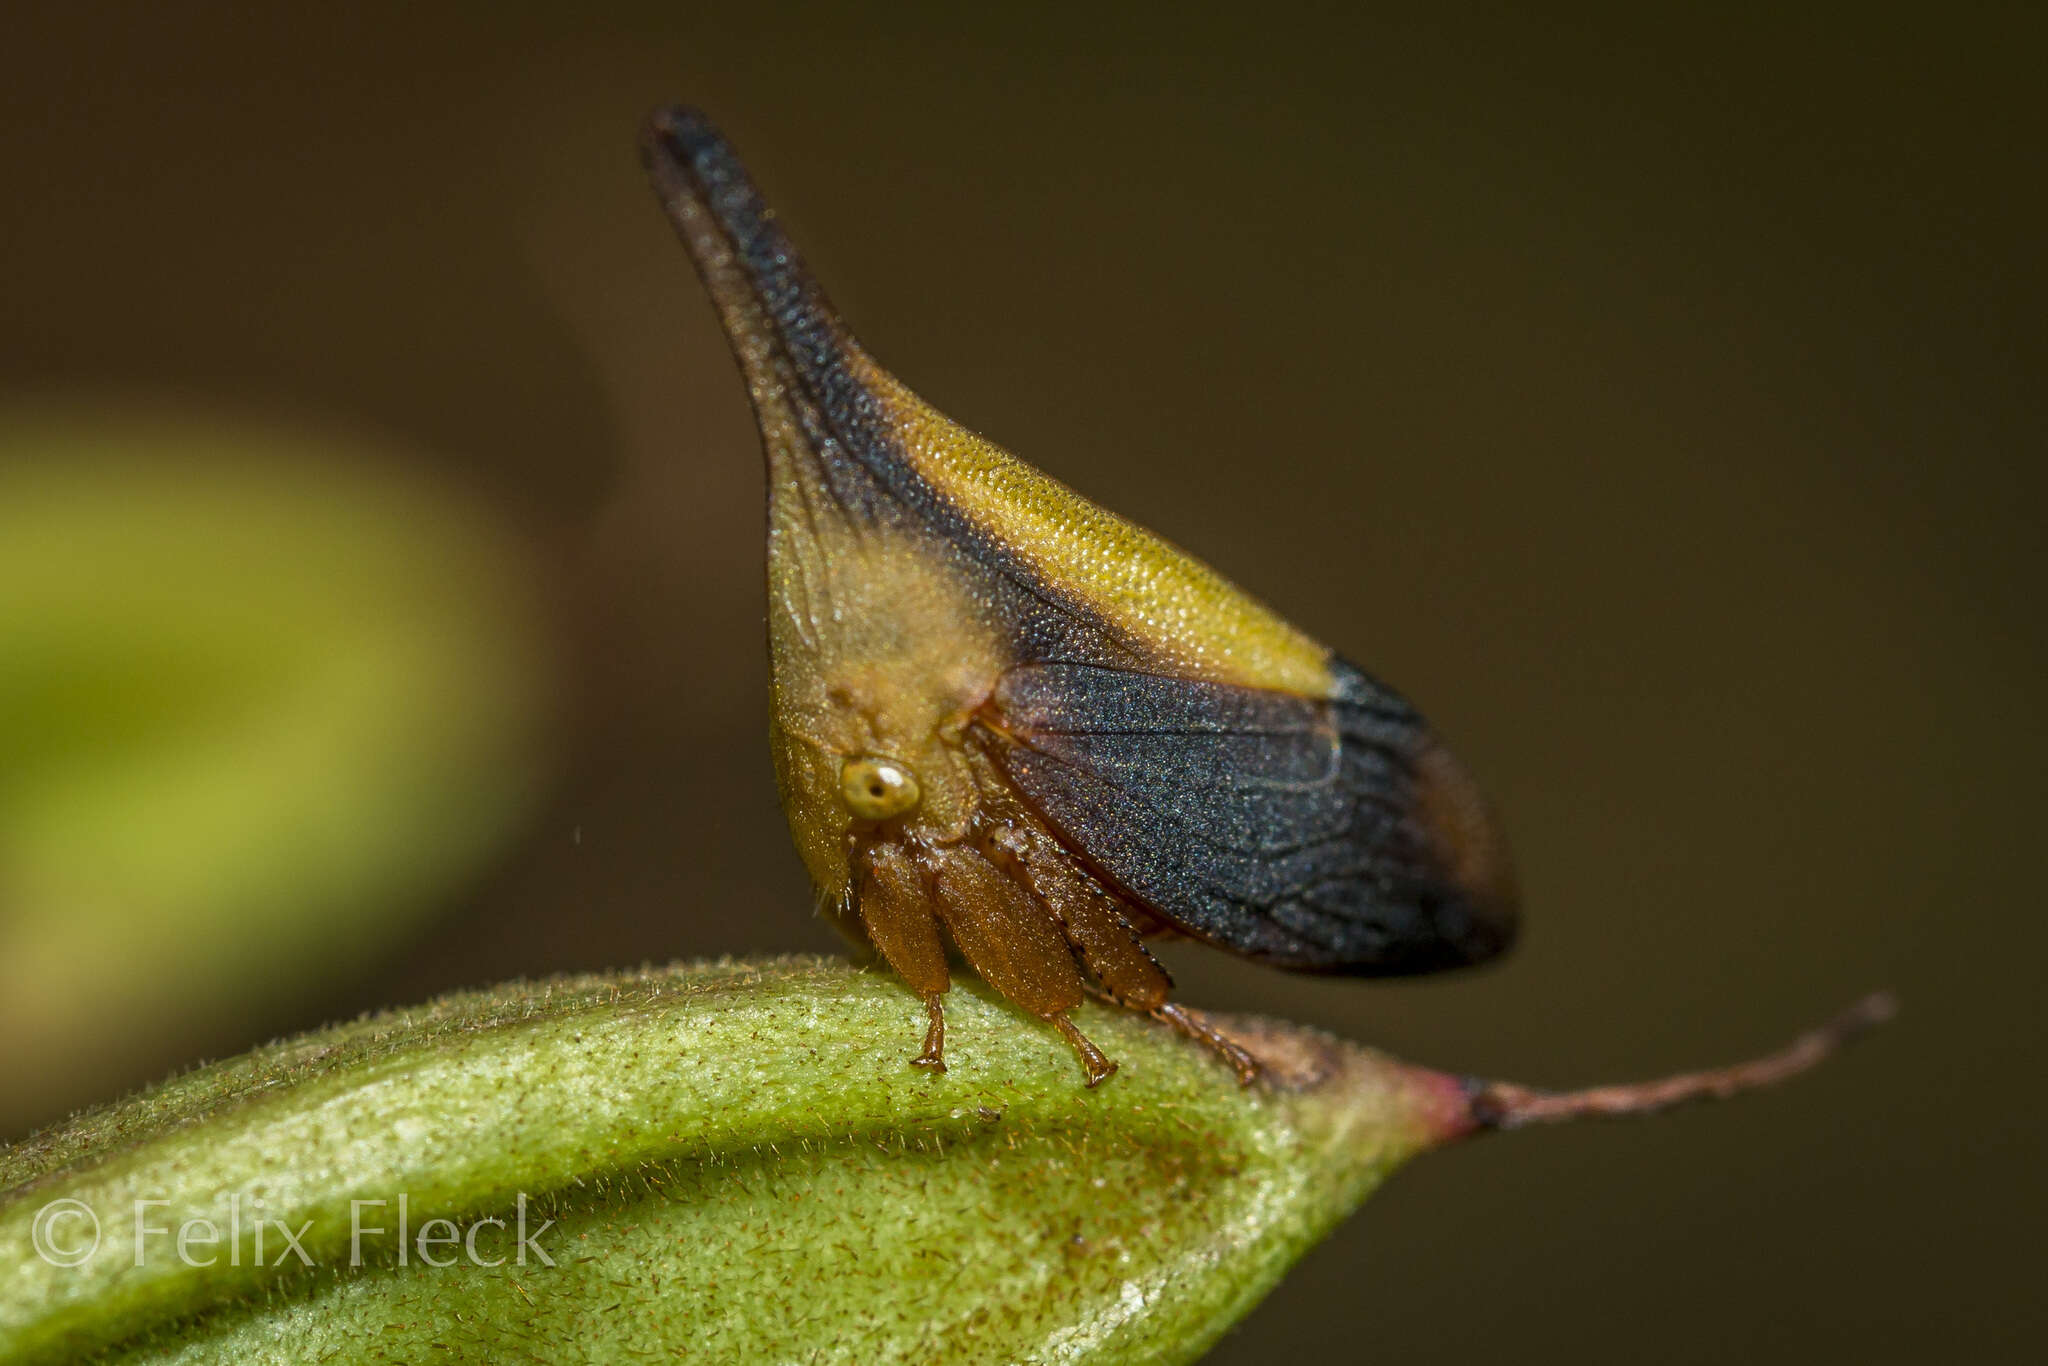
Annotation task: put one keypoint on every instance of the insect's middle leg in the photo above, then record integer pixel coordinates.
(1015, 943)
(1127, 973)
(1094, 928)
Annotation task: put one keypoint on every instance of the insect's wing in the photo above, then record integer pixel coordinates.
(1326, 836)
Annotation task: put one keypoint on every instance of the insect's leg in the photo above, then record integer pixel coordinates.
(1190, 1023)
(1089, 917)
(896, 910)
(1095, 925)
(1015, 944)
(1098, 1067)
(934, 1054)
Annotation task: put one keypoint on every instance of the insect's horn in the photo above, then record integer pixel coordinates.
(781, 328)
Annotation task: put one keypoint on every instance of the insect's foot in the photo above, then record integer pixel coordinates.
(1098, 1067)
(1191, 1024)
(933, 1059)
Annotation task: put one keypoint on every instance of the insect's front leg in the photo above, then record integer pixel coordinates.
(934, 1055)
(896, 911)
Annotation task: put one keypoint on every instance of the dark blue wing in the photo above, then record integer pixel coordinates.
(1318, 835)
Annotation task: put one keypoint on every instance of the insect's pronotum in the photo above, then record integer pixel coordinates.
(1009, 719)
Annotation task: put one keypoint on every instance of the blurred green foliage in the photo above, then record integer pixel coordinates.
(262, 701)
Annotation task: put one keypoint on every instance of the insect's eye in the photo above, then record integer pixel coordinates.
(878, 789)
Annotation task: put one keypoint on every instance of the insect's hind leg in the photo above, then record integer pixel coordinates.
(1191, 1024)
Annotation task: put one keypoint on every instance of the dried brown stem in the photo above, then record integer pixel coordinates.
(1504, 1105)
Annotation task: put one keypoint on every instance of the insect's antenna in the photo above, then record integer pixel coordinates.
(833, 905)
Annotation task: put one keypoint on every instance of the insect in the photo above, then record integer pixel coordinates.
(1004, 717)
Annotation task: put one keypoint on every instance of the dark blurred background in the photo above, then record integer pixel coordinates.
(1656, 401)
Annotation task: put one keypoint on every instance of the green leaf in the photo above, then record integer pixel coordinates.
(738, 1164)
(262, 701)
